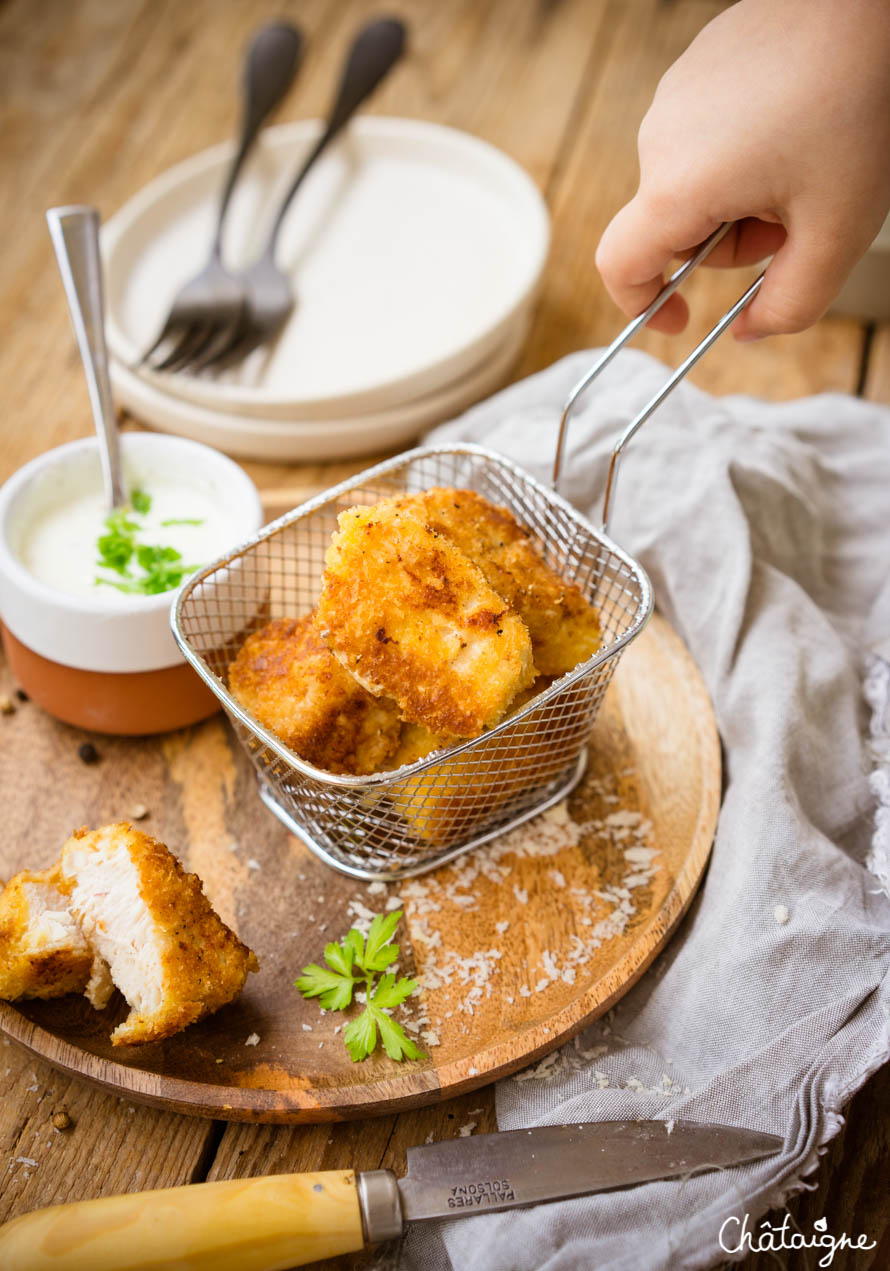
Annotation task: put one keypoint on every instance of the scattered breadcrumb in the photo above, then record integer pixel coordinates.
(781, 914)
(669, 1126)
(466, 1130)
(253, 1040)
(253, 864)
(604, 914)
(139, 812)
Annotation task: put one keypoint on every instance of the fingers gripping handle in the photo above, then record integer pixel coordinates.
(619, 342)
(253, 1224)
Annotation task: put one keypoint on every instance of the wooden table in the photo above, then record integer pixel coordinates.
(100, 98)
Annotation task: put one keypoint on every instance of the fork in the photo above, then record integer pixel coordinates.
(267, 291)
(214, 294)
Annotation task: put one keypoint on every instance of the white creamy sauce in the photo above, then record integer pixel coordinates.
(60, 548)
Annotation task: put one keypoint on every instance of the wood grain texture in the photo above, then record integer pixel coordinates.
(98, 99)
(654, 759)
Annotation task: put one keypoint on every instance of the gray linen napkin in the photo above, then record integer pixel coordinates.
(766, 531)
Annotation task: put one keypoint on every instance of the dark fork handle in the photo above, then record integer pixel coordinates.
(376, 49)
(269, 70)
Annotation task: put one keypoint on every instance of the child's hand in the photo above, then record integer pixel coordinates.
(777, 116)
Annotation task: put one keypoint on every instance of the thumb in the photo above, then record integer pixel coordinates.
(803, 278)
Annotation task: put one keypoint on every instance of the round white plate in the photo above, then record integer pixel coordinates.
(412, 249)
(278, 440)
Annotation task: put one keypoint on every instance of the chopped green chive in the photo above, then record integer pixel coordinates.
(119, 550)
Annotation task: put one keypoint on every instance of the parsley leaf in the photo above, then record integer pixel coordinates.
(140, 502)
(333, 990)
(353, 962)
(390, 993)
(183, 520)
(361, 1037)
(379, 952)
(356, 941)
(396, 1042)
(339, 956)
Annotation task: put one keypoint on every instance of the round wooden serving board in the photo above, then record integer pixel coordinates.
(519, 944)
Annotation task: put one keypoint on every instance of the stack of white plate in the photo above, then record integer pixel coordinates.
(415, 253)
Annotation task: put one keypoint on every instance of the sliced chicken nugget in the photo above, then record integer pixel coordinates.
(290, 681)
(43, 952)
(170, 954)
(563, 625)
(412, 618)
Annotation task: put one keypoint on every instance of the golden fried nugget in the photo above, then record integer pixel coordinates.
(416, 742)
(409, 616)
(43, 952)
(169, 953)
(291, 682)
(442, 803)
(562, 624)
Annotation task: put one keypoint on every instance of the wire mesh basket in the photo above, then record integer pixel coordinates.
(391, 825)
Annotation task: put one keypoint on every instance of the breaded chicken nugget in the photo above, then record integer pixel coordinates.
(562, 624)
(411, 617)
(416, 742)
(43, 952)
(442, 803)
(170, 954)
(290, 681)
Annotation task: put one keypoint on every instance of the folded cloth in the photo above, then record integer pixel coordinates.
(766, 531)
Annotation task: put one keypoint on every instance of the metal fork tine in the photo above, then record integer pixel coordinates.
(175, 351)
(191, 356)
(218, 349)
(166, 332)
(182, 353)
(246, 341)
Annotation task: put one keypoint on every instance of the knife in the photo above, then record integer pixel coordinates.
(288, 1220)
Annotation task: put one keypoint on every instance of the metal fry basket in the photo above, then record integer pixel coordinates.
(394, 824)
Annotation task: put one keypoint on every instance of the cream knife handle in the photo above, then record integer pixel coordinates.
(251, 1224)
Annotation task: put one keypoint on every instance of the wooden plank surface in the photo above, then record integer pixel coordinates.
(99, 98)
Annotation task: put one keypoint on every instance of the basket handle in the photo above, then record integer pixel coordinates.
(619, 342)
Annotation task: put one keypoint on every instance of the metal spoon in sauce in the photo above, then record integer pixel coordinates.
(75, 234)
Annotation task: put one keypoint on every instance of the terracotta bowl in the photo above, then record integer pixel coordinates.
(106, 663)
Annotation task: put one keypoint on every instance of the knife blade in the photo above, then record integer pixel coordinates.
(289, 1220)
(555, 1162)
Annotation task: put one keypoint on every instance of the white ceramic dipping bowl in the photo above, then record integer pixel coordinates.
(108, 662)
